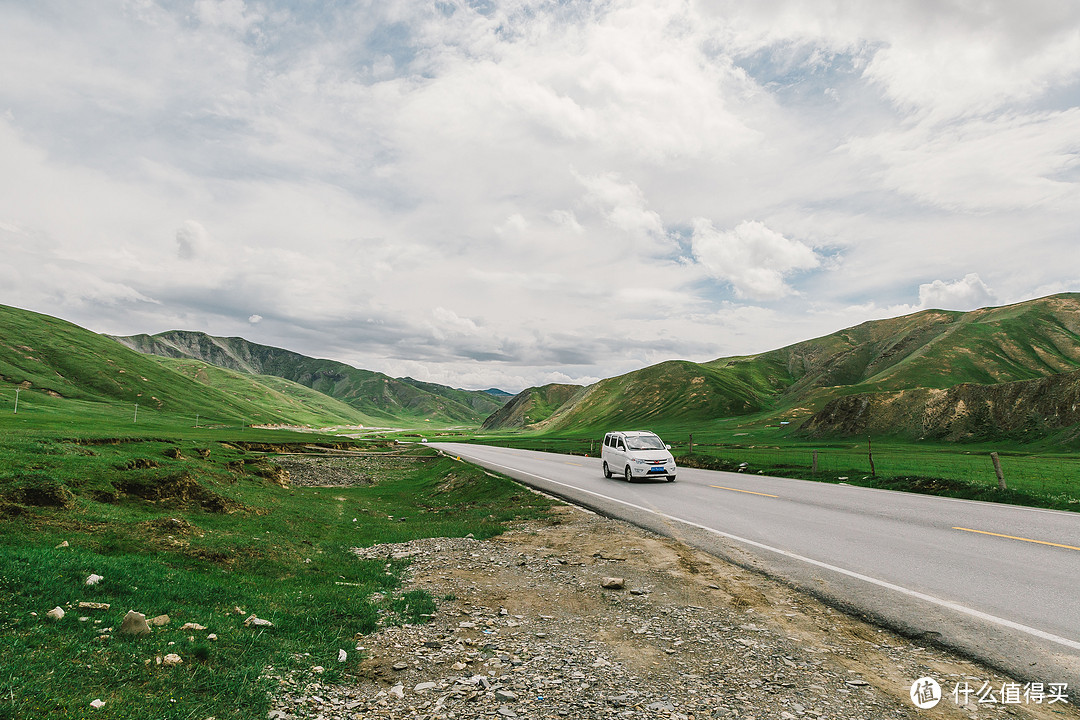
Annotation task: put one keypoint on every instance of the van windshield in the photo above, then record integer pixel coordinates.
(644, 442)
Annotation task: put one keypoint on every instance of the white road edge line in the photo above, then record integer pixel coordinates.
(843, 571)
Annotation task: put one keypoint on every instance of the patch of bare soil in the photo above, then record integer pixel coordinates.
(524, 630)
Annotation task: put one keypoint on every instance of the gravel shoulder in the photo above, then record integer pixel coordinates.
(525, 630)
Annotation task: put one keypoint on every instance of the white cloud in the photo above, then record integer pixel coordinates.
(518, 190)
(255, 319)
(192, 240)
(754, 259)
(967, 293)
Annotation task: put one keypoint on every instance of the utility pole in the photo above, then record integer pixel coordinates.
(17, 391)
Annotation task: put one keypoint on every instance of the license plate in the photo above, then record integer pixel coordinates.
(658, 469)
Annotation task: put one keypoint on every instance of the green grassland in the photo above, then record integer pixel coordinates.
(197, 524)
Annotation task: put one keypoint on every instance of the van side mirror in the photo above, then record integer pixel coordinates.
(667, 446)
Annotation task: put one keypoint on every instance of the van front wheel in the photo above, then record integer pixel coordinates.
(607, 471)
(629, 475)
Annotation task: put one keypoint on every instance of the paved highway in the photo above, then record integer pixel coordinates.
(996, 582)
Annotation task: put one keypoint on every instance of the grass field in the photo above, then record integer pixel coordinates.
(196, 524)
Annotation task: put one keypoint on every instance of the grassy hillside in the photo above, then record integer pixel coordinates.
(301, 403)
(674, 390)
(377, 396)
(66, 373)
(531, 406)
(929, 350)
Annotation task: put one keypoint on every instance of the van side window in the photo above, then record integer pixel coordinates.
(607, 440)
(619, 444)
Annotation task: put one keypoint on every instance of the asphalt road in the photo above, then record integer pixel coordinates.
(995, 582)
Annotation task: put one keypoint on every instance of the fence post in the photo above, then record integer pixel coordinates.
(691, 452)
(813, 467)
(870, 454)
(997, 469)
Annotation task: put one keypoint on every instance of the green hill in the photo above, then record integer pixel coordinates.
(304, 405)
(929, 350)
(375, 395)
(66, 367)
(530, 406)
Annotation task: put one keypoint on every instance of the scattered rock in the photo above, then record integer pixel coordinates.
(253, 621)
(172, 660)
(613, 583)
(211, 637)
(342, 656)
(94, 606)
(159, 621)
(97, 703)
(94, 579)
(398, 691)
(134, 624)
(63, 545)
(57, 613)
(425, 686)
(190, 626)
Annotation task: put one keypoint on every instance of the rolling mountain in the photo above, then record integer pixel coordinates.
(378, 396)
(858, 367)
(61, 361)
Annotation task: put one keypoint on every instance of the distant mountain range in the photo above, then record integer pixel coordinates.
(1012, 370)
(218, 379)
(379, 397)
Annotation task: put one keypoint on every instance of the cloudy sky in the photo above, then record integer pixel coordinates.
(512, 192)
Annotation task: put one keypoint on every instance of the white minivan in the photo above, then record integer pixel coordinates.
(636, 455)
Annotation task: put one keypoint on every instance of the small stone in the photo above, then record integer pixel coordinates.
(159, 621)
(64, 545)
(94, 606)
(318, 669)
(398, 691)
(134, 624)
(661, 706)
(342, 656)
(253, 621)
(57, 613)
(211, 637)
(613, 583)
(857, 683)
(507, 712)
(191, 626)
(97, 703)
(458, 666)
(505, 695)
(784, 715)
(172, 660)
(424, 686)
(399, 666)
(94, 579)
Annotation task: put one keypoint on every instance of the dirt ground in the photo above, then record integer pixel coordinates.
(525, 630)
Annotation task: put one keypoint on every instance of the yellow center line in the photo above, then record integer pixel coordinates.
(748, 492)
(578, 464)
(1013, 537)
